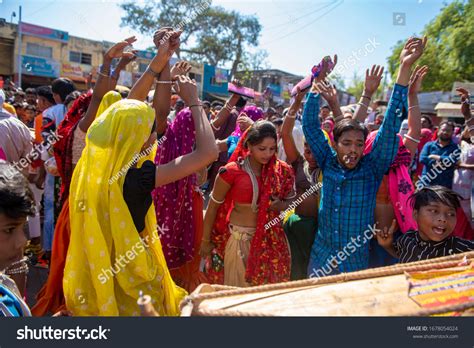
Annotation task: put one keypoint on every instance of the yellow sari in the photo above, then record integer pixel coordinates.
(109, 98)
(107, 263)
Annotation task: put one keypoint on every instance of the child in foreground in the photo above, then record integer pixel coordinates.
(434, 210)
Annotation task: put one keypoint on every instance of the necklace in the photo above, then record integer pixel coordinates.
(253, 178)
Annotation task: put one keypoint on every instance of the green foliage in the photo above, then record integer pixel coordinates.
(450, 49)
(357, 86)
(215, 36)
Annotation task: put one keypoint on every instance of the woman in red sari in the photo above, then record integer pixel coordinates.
(243, 236)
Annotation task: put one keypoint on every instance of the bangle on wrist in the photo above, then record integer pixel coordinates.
(411, 138)
(152, 72)
(214, 127)
(102, 74)
(228, 107)
(362, 104)
(190, 106)
(471, 128)
(291, 115)
(366, 96)
(165, 82)
(413, 106)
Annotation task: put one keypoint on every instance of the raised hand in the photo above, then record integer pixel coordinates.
(180, 68)
(244, 121)
(328, 92)
(116, 51)
(187, 90)
(159, 34)
(372, 80)
(416, 79)
(326, 70)
(466, 102)
(385, 236)
(412, 50)
(169, 43)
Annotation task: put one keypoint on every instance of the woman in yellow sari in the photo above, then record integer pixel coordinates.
(115, 250)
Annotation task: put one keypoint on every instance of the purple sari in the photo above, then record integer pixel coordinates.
(173, 202)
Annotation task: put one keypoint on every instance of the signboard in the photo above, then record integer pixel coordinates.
(72, 70)
(220, 75)
(39, 66)
(43, 32)
(145, 54)
(275, 89)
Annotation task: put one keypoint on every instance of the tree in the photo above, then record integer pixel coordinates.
(356, 87)
(449, 50)
(220, 37)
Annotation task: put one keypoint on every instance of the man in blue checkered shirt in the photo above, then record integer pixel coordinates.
(351, 180)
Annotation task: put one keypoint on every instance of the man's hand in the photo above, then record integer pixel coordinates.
(169, 44)
(159, 34)
(372, 80)
(187, 90)
(412, 51)
(180, 68)
(416, 79)
(466, 102)
(328, 92)
(385, 237)
(116, 51)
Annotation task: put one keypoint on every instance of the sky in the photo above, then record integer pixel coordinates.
(296, 34)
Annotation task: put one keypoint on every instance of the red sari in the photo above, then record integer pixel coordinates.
(269, 259)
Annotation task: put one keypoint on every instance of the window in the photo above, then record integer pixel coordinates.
(86, 58)
(75, 57)
(82, 58)
(33, 49)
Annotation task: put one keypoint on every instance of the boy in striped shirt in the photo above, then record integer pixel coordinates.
(434, 209)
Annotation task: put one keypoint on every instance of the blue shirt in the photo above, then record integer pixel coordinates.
(346, 212)
(439, 172)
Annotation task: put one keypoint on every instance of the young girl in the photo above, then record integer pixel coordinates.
(248, 193)
(434, 209)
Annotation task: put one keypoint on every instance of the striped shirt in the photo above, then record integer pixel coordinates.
(346, 211)
(410, 247)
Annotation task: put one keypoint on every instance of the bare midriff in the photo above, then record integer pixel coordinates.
(243, 215)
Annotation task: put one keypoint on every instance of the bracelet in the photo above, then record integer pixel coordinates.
(291, 115)
(467, 101)
(102, 74)
(362, 104)
(228, 107)
(190, 106)
(211, 196)
(412, 139)
(471, 128)
(165, 82)
(412, 107)
(366, 96)
(151, 71)
(214, 127)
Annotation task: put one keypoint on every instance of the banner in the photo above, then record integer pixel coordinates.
(220, 75)
(43, 32)
(40, 66)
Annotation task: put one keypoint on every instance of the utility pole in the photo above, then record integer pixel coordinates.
(19, 50)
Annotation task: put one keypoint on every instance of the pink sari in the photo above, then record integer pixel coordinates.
(400, 186)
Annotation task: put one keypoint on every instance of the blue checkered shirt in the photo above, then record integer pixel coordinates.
(346, 211)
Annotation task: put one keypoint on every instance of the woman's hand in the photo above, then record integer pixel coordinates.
(328, 92)
(244, 121)
(372, 80)
(180, 68)
(416, 79)
(168, 44)
(187, 90)
(412, 50)
(116, 51)
(206, 248)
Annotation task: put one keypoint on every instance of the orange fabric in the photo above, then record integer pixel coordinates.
(189, 276)
(9, 108)
(50, 299)
(38, 125)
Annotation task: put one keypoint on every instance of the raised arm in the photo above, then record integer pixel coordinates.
(329, 93)
(371, 84)
(412, 138)
(206, 150)
(224, 113)
(289, 145)
(168, 45)
(385, 145)
(103, 83)
(162, 100)
(466, 109)
(311, 126)
(127, 58)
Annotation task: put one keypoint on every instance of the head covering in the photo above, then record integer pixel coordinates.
(400, 185)
(329, 134)
(252, 111)
(269, 258)
(425, 137)
(404, 128)
(173, 202)
(102, 229)
(109, 98)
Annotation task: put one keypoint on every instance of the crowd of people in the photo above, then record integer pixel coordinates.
(139, 192)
